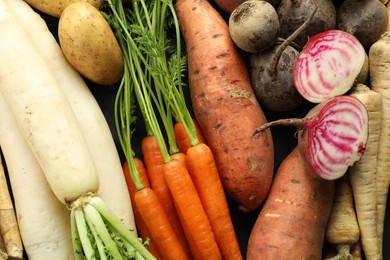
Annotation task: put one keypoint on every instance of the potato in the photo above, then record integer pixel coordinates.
(56, 7)
(89, 44)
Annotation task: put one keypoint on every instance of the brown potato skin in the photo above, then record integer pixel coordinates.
(225, 106)
(56, 7)
(89, 44)
(304, 201)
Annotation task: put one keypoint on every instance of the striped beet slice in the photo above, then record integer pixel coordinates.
(332, 136)
(328, 65)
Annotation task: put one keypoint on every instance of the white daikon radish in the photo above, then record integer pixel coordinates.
(48, 124)
(43, 220)
(112, 184)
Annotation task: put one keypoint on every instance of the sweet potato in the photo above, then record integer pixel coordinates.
(225, 106)
(292, 222)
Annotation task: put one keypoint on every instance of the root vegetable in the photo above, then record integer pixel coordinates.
(8, 224)
(332, 136)
(293, 13)
(342, 229)
(229, 5)
(365, 19)
(89, 44)
(55, 8)
(379, 55)
(254, 26)
(225, 106)
(43, 220)
(363, 173)
(112, 188)
(292, 222)
(50, 127)
(271, 72)
(328, 65)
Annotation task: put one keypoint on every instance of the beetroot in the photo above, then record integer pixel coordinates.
(332, 136)
(328, 65)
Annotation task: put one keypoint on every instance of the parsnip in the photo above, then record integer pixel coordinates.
(112, 185)
(42, 218)
(8, 223)
(379, 56)
(363, 173)
(343, 230)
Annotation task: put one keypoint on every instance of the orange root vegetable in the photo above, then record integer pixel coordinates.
(195, 221)
(141, 226)
(204, 173)
(8, 224)
(292, 222)
(342, 230)
(362, 174)
(379, 56)
(182, 139)
(225, 106)
(158, 224)
(154, 162)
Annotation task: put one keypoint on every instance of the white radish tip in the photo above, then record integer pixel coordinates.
(328, 65)
(337, 136)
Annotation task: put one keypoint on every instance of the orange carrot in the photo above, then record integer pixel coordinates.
(154, 161)
(158, 224)
(191, 210)
(182, 139)
(224, 104)
(139, 222)
(204, 173)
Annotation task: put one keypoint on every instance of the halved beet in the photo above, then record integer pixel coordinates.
(332, 136)
(328, 65)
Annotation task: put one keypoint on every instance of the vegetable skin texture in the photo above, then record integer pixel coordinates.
(204, 173)
(363, 173)
(342, 229)
(367, 20)
(73, 173)
(154, 163)
(43, 220)
(293, 219)
(379, 55)
(225, 106)
(142, 229)
(89, 44)
(228, 6)
(189, 206)
(55, 8)
(182, 139)
(112, 187)
(10, 234)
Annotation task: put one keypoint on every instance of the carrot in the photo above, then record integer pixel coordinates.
(141, 226)
(379, 58)
(8, 224)
(190, 207)
(225, 106)
(203, 170)
(154, 163)
(293, 219)
(342, 229)
(182, 139)
(363, 173)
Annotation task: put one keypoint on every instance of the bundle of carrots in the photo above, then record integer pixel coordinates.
(178, 196)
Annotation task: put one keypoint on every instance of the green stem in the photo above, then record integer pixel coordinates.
(77, 247)
(120, 228)
(98, 241)
(83, 234)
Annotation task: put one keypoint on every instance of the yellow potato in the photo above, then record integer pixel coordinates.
(55, 8)
(89, 44)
